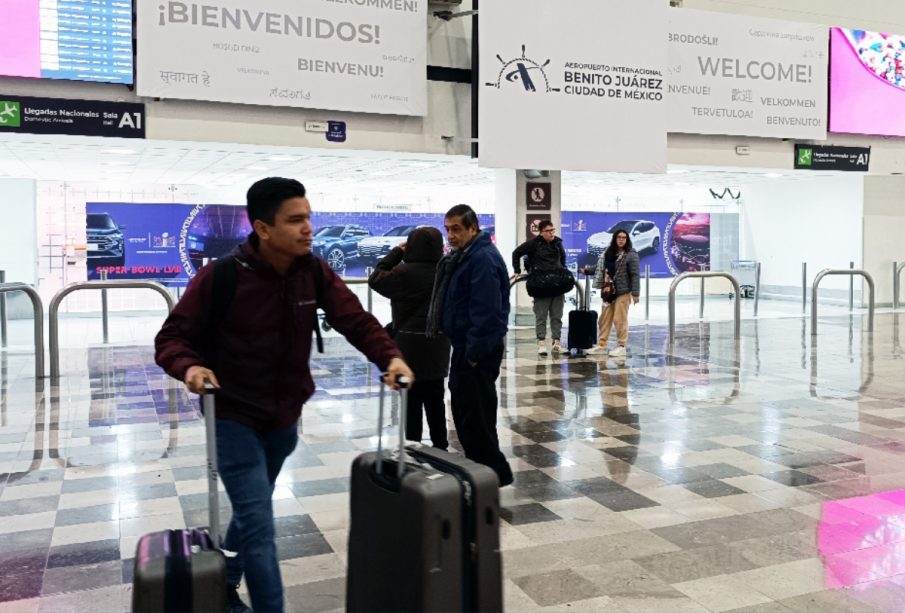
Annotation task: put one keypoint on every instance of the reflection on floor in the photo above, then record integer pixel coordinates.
(765, 478)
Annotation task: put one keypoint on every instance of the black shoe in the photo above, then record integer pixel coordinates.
(507, 478)
(235, 601)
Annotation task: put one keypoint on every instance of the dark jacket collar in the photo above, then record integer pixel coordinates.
(540, 239)
(478, 243)
(249, 255)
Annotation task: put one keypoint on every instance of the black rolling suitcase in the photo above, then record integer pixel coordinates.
(583, 322)
(424, 532)
(184, 571)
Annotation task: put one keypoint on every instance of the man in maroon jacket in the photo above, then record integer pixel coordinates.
(256, 354)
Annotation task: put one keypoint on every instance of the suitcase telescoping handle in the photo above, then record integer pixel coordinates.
(404, 383)
(210, 427)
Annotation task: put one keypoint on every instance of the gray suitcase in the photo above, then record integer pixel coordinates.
(184, 571)
(424, 532)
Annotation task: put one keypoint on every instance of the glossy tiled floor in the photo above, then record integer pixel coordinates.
(768, 478)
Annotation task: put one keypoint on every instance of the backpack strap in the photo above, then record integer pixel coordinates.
(320, 291)
(226, 278)
(225, 281)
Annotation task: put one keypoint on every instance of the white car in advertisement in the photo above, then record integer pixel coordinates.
(645, 237)
(375, 247)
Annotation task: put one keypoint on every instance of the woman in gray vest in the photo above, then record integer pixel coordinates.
(618, 277)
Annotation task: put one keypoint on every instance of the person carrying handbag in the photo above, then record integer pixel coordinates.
(619, 280)
(548, 282)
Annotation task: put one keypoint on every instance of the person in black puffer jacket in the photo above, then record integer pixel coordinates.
(406, 277)
(545, 253)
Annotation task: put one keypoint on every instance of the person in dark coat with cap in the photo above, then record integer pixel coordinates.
(406, 277)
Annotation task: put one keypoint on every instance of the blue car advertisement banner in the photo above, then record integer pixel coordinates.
(170, 242)
(670, 243)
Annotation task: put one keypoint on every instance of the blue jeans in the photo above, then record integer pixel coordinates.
(249, 463)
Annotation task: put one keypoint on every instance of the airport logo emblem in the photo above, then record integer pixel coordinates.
(525, 71)
(805, 156)
(10, 114)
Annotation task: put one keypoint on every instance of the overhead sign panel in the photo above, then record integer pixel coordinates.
(73, 117)
(348, 55)
(820, 157)
(746, 76)
(575, 85)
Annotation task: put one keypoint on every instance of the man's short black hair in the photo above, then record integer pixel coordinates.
(544, 225)
(469, 217)
(265, 197)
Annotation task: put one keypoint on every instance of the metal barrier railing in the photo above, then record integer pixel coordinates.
(362, 281)
(3, 338)
(804, 288)
(54, 317)
(38, 307)
(897, 269)
(578, 288)
(865, 383)
(702, 276)
(842, 271)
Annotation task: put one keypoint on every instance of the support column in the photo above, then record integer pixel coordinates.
(884, 226)
(515, 189)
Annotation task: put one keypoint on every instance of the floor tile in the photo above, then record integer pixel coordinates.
(316, 597)
(787, 580)
(527, 514)
(107, 599)
(557, 587)
(85, 533)
(82, 577)
(646, 475)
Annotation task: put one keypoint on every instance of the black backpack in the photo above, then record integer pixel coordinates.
(226, 278)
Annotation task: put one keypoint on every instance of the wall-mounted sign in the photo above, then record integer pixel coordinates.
(538, 197)
(531, 225)
(368, 56)
(73, 117)
(169, 243)
(575, 85)
(670, 243)
(336, 131)
(746, 76)
(819, 157)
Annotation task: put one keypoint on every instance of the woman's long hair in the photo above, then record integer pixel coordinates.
(613, 249)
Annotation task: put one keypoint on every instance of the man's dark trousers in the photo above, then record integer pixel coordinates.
(474, 409)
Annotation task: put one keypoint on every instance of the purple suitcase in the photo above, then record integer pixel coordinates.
(184, 571)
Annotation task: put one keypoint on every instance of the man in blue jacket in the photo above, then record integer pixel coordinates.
(470, 305)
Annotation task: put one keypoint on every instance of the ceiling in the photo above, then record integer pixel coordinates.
(66, 158)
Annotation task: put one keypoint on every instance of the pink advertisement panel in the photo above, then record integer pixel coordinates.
(20, 40)
(867, 82)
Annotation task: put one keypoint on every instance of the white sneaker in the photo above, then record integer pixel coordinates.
(541, 347)
(596, 350)
(618, 352)
(557, 346)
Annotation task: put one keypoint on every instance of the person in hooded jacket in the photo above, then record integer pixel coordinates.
(406, 276)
